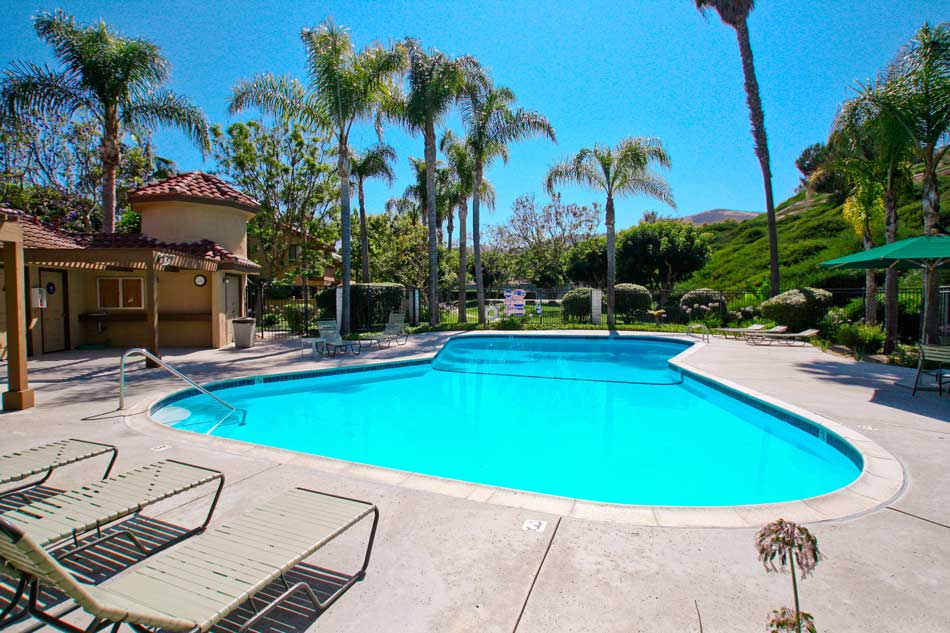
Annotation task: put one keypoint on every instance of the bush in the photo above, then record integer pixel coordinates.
(508, 323)
(799, 309)
(861, 338)
(631, 300)
(326, 302)
(370, 304)
(832, 322)
(270, 319)
(700, 297)
(704, 305)
(575, 306)
(294, 316)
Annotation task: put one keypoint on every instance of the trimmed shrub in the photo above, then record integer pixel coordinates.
(294, 317)
(799, 309)
(700, 297)
(326, 302)
(861, 338)
(370, 304)
(575, 306)
(631, 300)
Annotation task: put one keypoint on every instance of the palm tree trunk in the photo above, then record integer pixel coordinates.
(757, 118)
(343, 165)
(364, 238)
(450, 227)
(463, 262)
(870, 284)
(611, 261)
(109, 152)
(890, 281)
(433, 227)
(931, 205)
(476, 241)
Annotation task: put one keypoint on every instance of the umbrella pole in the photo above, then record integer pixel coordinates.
(930, 270)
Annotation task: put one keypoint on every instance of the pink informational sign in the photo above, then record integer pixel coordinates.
(514, 302)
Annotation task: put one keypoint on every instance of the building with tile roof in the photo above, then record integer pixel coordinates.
(178, 283)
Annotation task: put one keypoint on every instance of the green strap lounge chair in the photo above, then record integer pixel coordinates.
(938, 355)
(333, 342)
(62, 519)
(194, 586)
(43, 460)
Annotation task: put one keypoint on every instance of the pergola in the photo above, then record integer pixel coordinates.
(18, 395)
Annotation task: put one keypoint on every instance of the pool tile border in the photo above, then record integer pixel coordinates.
(882, 478)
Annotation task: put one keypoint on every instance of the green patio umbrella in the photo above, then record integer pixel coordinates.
(927, 252)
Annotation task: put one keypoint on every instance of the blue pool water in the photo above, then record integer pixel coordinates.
(591, 418)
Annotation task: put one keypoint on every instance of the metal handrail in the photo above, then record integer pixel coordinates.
(138, 351)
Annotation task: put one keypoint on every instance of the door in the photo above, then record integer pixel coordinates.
(53, 316)
(232, 301)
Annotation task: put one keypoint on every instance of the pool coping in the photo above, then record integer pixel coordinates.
(882, 478)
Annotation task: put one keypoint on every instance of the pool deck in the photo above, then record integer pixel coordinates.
(450, 562)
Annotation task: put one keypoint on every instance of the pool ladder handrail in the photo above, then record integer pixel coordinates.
(138, 351)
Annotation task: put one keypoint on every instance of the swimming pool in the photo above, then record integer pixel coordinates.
(594, 418)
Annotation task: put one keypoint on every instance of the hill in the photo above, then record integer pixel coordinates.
(811, 229)
(712, 216)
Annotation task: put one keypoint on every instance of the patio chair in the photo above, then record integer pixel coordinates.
(196, 585)
(735, 332)
(47, 458)
(938, 354)
(394, 330)
(62, 519)
(789, 338)
(333, 342)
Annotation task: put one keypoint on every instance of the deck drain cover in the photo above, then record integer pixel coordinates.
(534, 525)
(161, 447)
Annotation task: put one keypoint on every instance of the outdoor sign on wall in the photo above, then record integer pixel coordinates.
(514, 302)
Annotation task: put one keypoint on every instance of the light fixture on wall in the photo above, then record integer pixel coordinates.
(200, 280)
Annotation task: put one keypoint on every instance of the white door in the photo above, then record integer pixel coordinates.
(232, 301)
(54, 314)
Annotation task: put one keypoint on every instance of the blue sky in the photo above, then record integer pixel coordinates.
(599, 71)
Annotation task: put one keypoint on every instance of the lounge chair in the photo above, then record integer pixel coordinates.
(394, 330)
(47, 458)
(789, 338)
(939, 354)
(778, 329)
(736, 332)
(333, 342)
(63, 518)
(194, 586)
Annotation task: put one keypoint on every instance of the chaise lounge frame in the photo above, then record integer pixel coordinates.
(47, 458)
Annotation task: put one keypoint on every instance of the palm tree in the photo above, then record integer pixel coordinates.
(462, 168)
(916, 91)
(876, 152)
(491, 125)
(345, 87)
(433, 83)
(114, 79)
(404, 205)
(735, 13)
(623, 170)
(374, 162)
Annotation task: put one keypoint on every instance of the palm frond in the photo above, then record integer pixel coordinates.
(280, 96)
(29, 88)
(169, 109)
(577, 170)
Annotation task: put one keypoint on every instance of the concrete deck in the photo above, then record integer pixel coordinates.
(447, 563)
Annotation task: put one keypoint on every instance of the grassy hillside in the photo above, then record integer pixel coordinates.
(811, 229)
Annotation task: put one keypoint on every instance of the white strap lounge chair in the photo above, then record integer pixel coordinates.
(736, 332)
(43, 460)
(194, 586)
(395, 329)
(333, 342)
(788, 338)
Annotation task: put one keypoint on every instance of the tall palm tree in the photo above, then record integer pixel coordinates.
(418, 192)
(374, 162)
(916, 91)
(345, 88)
(735, 13)
(876, 149)
(433, 81)
(617, 171)
(114, 79)
(404, 205)
(491, 125)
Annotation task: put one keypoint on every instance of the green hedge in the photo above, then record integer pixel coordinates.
(370, 304)
(575, 305)
(700, 297)
(799, 309)
(631, 300)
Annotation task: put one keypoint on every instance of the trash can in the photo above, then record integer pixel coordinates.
(244, 331)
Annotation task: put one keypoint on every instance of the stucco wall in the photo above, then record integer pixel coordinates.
(173, 221)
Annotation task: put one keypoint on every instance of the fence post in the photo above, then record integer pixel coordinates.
(596, 300)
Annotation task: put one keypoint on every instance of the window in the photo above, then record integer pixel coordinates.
(118, 293)
(293, 253)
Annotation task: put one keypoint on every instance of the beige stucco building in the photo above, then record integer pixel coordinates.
(178, 283)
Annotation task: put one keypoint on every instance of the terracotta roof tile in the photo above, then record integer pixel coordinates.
(195, 185)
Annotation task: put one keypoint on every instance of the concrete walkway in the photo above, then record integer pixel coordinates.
(444, 563)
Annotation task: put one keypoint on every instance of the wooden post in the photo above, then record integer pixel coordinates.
(151, 309)
(18, 395)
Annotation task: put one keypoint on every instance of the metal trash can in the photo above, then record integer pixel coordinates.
(244, 331)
